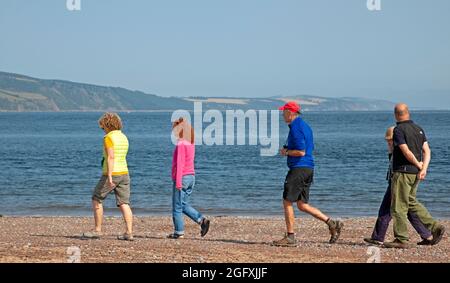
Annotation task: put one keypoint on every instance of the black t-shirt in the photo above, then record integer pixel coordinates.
(413, 135)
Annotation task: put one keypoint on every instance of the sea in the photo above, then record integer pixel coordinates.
(51, 162)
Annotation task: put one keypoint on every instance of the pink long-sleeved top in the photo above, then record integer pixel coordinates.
(183, 161)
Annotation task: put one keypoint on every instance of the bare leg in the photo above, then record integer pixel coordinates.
(312, 211)
(127, 217)
(289, 216)
(98, 215)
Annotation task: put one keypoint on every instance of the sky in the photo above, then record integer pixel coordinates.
(247, 48)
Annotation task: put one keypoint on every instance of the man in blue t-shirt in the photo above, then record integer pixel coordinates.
(299, 151)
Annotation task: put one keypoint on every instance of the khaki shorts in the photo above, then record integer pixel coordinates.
(121, 190)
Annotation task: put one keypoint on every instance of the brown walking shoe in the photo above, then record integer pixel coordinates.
(125, 237)
(92, 235)
(285, 242)
(396, 244)
(335, 227)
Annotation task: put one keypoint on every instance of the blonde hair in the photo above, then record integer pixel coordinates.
(110, 122)
(185, 130)
(389, 133)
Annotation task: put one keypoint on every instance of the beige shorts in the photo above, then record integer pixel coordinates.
(121, 190)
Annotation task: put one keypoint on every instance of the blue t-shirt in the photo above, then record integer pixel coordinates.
(300, 138)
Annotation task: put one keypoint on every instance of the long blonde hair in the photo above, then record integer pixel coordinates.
(183, 130)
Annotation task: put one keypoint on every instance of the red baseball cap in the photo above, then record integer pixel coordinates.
(291, 106)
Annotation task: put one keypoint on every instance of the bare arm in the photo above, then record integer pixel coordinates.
(410, 156)
(426, 156)
(426, 161)
(296, 153)
(110, 163)
(292, 152)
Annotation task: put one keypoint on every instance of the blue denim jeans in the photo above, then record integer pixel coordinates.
(180, 204)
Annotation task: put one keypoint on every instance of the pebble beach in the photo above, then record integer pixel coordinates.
(230, 240)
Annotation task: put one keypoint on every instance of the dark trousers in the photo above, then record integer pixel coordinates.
(384, 217)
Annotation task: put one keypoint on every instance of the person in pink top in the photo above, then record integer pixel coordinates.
(183, 176)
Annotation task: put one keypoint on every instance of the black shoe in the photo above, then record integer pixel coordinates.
(425, 242)
(437, 235)
(175, 236)
(205, 227)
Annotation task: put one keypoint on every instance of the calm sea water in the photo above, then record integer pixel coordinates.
(51, 163)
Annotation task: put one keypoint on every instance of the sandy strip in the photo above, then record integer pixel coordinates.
(231, 239)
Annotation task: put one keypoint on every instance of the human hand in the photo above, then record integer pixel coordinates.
(420, 165)
(422, 174)
(110, 182)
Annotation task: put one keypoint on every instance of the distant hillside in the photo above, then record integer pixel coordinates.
(23, 93)
(308, 103)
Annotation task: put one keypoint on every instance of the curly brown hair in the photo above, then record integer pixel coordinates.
(110, 122)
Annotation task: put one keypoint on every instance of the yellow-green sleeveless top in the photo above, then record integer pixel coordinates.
(119, 142)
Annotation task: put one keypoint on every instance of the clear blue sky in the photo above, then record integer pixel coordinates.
(236, 47)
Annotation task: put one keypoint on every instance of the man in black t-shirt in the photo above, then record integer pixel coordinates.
(411, 158)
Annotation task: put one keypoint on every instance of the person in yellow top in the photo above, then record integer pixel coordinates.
(115, 176)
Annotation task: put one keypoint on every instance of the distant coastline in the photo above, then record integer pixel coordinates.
(20, 93)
